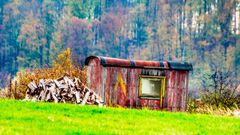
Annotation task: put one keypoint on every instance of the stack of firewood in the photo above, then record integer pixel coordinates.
(64, 89)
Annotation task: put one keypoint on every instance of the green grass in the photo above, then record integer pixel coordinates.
(20, 117)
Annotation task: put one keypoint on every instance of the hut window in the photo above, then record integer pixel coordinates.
(151, 86)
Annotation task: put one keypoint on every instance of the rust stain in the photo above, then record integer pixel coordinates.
(107, 100)
(122, 84)
(116, 87)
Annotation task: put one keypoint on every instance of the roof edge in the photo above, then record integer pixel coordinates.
(87, 60)
(168, 65)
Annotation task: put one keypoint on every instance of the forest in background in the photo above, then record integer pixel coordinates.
(203, 32)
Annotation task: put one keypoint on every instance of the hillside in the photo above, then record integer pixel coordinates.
(20, 117)
(205, 33)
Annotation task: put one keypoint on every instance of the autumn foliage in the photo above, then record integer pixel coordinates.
(61, 66)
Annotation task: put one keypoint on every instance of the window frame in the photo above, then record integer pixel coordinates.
(162, 79)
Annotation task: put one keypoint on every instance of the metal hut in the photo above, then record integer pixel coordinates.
(138, 83)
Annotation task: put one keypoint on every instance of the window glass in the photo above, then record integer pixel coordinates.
(151, 86)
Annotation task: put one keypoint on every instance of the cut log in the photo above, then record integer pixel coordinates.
(42, 84)
(63, 89)
(48, 96)
(52, 90)
(32, 86)
(57, 83)
(85, 98)
(77, 94)
(68, 81)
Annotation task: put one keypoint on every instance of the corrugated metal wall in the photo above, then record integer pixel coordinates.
(118, 86)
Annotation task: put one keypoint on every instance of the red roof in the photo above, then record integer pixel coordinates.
(116, 62)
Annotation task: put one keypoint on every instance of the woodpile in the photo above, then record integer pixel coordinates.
(236, 113)
(64, 89)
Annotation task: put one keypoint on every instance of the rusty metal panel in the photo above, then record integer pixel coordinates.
(134, 85)
(116, 82)
(176, 90)
(116, 62)
(107, 87)
(184, 96)
(121, 89)
(183, 90)
(140, 63)
(130, 95)
(137, 73)
(131, 88)
(166, 93)
(151, 104)
(180, 90)
(170, 88)
(94, 75)
(174, 100)
(119, 86)
(104, 80)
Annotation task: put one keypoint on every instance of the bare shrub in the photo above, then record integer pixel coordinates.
(220, 90)
(198, 106)
(220, 95)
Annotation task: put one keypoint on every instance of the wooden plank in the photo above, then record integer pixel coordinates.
(85, 98)
(32, 86)
(77, 95)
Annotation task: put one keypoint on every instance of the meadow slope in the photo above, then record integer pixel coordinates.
(20, 117)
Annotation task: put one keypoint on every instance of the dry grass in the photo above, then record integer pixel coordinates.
(197, 106)
(61, 66)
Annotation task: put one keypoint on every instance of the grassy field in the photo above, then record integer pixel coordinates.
(20, 117)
